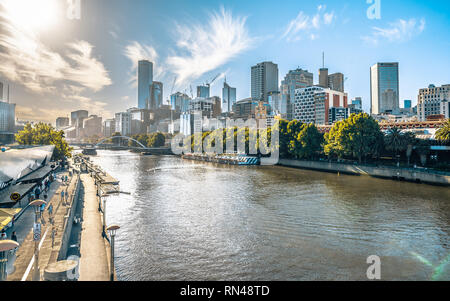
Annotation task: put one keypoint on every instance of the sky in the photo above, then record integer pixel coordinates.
(56, 63)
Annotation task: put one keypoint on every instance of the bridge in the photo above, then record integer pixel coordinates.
(142, 148)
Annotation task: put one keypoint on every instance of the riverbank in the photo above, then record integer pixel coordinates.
(403, 174)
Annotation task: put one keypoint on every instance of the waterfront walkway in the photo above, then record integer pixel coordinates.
(94, 263)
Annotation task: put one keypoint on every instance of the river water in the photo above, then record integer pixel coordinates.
(187, 220)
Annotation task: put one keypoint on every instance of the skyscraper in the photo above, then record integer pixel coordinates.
(323, 77)
(145, 80)
(294, 79)
(264, 80)
(156, 95)
(203, 91)
(228, 97)
(1, 91)
(384, 88)
(336, 82)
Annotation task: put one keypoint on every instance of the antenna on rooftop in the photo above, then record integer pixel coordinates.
(323, 60)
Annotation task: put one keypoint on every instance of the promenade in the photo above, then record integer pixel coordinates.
(94, 264)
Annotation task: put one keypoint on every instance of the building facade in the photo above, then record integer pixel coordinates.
(203, 91)
(7, 122)
(179, 102)
(228, 98)
(357, 103)
(313, 104)
(1, 91)
(433, 101)
(109, 127)
(264, 79)
(62, 122)
(156, 96)
(384, 88)
(123, 123)
(294, 79)
(92, 126)
(145, 80)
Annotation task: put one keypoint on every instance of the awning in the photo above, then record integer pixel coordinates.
(7, 216)
(38, 175)
(22, 189)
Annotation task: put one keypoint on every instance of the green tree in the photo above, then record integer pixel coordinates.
(116, 140)
(156, 140)
(358, 136)
(443, 134)
(309, 141)
(394, 141)
(45, 134)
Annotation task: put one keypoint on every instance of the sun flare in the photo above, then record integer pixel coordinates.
(32, 14)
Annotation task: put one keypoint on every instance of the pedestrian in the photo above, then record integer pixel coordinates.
(62, 195)
(37, 192)
(67, 180)
(3, 235)
(14, 236)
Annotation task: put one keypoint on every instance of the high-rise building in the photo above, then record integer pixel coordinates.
(433, 101)
(323, 77)
(228, 97)
(357, 102)
(264, 79)
(156, 95)
(109, 127)
(123, 123)
(179, 102)
(92, 126)
(313, 104)
(407, 104)
(145, 80)
(1, 91)
(294, 79)
(62, 122)
(384, 88)
(7, 122)
(336, 82)
(203, 91)
(77, 117)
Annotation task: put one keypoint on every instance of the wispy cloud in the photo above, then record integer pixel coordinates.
(27, 61)
(308, 26)
(136, 52)
(205, 47)
(399, 31)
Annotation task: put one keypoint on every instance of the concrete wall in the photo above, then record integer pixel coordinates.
(406, 174)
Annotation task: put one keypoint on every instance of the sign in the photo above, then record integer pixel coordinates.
(15, 196)
(37, 231)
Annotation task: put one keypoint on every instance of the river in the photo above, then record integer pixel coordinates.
(187, 220)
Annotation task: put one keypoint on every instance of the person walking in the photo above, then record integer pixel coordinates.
(3, 235)
(62, 195)
(37, 192)
(14, 236)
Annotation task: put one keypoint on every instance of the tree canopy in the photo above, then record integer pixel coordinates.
(45, 134)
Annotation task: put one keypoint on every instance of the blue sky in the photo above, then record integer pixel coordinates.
(89, 63)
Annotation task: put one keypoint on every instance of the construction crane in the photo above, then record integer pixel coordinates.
(213, 80)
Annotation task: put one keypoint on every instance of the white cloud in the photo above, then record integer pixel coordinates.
(308, 26)
(399, 31)
(205, 47)
(27, 61)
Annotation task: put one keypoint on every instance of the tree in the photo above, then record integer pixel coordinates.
(358, 136)
(45, 134)
(394, 141)
(309, 141)
(156, 140)
(116, 140)
(443, 134)
(423, 149)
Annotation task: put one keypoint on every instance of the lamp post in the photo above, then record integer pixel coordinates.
(5, 247)
(112, 232)
(37, 236)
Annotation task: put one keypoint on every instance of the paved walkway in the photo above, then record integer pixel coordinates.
(94, 258)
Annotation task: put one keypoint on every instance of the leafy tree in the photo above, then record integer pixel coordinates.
(45, 134)
(156, 140)
(358, 136)
(443, 134)
(423, 149)
(309, 141)
(394, 141)
(116, 140)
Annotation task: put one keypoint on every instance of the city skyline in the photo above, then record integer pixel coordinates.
(96, 70)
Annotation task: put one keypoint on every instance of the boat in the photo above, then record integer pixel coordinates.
(89, 151)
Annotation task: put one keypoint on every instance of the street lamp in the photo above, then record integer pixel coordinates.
(112, 232)
(36, 204)
(5, 247)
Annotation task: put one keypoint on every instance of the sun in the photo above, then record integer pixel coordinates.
(35, 15)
